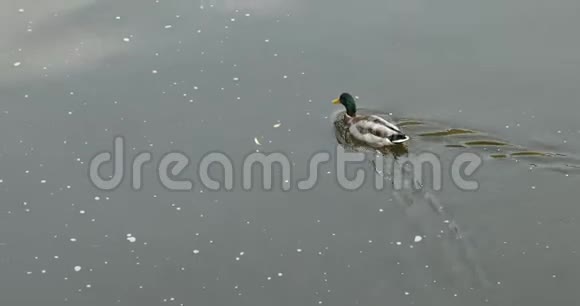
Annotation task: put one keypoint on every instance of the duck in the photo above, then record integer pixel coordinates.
(371, 130)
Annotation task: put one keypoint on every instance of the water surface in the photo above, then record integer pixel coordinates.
(212, 76)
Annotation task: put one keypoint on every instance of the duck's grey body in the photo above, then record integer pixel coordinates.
(375, 131)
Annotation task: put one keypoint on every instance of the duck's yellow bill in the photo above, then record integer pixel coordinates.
(336, 101)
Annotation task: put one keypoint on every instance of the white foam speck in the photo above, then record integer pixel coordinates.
(154, 71)
(97, 198)
(196, 252)
(418, 238)
(168, 26)
(78, 268)
(280, 274)
(126, 39)
(277, 125)
(257, 141)
(17, 64)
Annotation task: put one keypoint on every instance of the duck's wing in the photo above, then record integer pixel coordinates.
(378, 120)
(362, 131)
(385, 129)
(375, 130)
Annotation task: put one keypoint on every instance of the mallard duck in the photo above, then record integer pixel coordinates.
(369, 129)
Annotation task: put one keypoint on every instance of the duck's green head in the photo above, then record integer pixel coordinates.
(348, 101)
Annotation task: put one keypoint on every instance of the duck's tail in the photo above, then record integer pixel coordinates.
(399, 138)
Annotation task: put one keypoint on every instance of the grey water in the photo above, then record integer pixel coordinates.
(242, 76)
